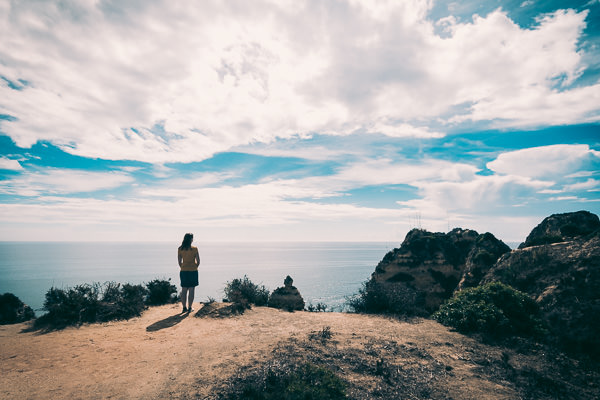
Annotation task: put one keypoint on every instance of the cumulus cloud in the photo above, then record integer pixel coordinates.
(178, 81)
(551, 162)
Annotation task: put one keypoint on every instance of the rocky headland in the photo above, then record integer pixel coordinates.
(558, 265)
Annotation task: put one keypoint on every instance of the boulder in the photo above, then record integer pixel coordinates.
(287, 297)
(562, 227)
(13, 310)
(430, 265)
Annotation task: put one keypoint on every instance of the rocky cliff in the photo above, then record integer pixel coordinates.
(433, 264)
(558, 266)
(563, 277)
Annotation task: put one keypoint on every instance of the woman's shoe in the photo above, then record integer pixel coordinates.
(184, 310)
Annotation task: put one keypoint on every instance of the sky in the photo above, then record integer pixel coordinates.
(277, 120)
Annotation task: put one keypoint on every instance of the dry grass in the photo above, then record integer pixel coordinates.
(164, 354)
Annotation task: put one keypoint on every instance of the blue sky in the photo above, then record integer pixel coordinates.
(340, 120)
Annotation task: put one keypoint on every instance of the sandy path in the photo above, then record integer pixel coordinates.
(163, 355)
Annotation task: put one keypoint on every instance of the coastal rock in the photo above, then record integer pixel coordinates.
(432, 264)
(563, 278)
(562, 227)
(484, 254)
(287, 297)
(13, 310)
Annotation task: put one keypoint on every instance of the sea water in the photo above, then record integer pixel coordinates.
(324, 273)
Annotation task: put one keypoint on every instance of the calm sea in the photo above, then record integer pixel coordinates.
(323, 272)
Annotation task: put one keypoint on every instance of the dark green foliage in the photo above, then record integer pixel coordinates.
(495, 310)
(13, 310)
(91, 303)
(161, 292)
(387, 297)
(306, 382)
(244, 291)
(318, 308)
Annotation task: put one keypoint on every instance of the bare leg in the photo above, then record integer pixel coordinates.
(184, 292)
(191, 297)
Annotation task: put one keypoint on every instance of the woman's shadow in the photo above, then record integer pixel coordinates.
(167, 322)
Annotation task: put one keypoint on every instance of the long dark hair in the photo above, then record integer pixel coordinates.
(187, 241)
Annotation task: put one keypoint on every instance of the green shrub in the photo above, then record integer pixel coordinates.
(161, 292)
(13, 310)
(91, 303)
(307, 382)
(387, 297)
(495, 310)
(245, 292)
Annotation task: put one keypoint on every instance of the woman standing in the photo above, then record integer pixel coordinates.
(189, 260)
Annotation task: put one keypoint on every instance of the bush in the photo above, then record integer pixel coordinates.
(245, 292)
(13, 310)
(495, 310)
(307, 382)
(91, 303)
(387, 297)
(161, 292)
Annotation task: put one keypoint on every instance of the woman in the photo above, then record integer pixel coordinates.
(189, 260)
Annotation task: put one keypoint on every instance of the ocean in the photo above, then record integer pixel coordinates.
(325, 273)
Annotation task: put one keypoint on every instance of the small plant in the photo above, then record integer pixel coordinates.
(320, 307)
(495, 310)
(245, 292)
(210, 300)
(306, 382)
(161, 292)
(323, 335)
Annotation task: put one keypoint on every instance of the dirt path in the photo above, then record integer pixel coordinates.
(165, 355)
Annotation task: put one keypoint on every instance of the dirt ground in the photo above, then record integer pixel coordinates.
(165, 354)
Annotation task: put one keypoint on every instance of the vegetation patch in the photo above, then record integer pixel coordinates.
(161, 292)
(243, 291)
(13, 310)
(89, 303)
(387, 298)
(495, 310)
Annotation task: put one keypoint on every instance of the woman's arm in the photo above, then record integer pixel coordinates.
(197, 258)
(179, 258)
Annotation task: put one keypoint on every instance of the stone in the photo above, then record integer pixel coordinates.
(287, 297)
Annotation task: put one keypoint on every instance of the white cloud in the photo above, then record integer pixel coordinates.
(63, 181)
(552, 162)
(178, 81)
(6, 163)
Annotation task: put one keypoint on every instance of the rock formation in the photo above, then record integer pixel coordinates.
(481, 258)
(433, 264)
(287, 297)
(563, 277)
(13, 310)
(562, 227)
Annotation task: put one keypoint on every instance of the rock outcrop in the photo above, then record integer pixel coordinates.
(562, 277)
(287, 297)
(13, 310)
(484, 254)
(562, 227)
(433, 264)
